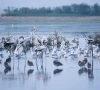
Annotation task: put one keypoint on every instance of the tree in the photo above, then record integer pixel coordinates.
(96, 9)
(66, 9)
(74, 9)
(84, 9)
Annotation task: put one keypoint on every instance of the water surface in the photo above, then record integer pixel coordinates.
(45, 78)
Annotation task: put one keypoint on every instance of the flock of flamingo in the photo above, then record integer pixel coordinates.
(58, 46)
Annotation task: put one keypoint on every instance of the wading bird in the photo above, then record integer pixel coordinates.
(81, 64)
(8, 60)
(84, 61)
(57, 63)
(30, 63)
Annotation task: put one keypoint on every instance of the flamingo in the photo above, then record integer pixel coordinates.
(21, 39)
(86, 53)
(47, 53)
(40, 49)
(54, 52)
(35, 40)
(57, 55)
(64, 54)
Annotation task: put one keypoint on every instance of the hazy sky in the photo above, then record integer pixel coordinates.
(45, 3)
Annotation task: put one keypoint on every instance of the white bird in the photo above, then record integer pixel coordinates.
(54, 51)
(8, 53)
(98, 55)
(35, 41)
(86, 53)
(12, 25)
(21, 39)
(34, 54)
(78, 47)
(1, 45)
(63, 53)
(16, 51)
(32, 32)
(47, 53)
(81, 51)
(56, 57)
(59, 53)
(44, 38)
(34, 29)
(72, 53)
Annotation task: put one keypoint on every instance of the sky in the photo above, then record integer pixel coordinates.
(41, 3)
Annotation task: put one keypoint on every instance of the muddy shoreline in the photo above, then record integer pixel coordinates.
(48, 19)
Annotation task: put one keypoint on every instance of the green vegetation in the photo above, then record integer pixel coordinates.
(68, 10)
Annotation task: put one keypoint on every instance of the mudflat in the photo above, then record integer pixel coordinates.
(48, 19)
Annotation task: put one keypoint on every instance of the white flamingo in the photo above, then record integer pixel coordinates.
(63, 53)
(54, 52)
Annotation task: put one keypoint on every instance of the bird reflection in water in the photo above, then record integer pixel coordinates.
(57, 71)
(7, 67)
(30, 71)
(82, 70)
(57, 63)
(90, 73)
(42, 73)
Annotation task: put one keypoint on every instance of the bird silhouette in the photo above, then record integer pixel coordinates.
(8, 60)
(85, 61)
(5, 64)
(30, 63)
(57, 63)
(81, 64)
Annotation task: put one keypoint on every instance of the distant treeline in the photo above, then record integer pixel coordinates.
(66, 10)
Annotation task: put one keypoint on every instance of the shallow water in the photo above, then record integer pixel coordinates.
(64, 28)
(45, 78)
